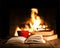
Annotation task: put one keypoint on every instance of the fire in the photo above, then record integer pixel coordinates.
(17, 29)
(35, 22)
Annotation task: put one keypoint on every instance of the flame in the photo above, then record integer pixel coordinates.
(17, 29)
(35, 20)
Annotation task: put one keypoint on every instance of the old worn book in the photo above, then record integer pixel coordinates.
(16, 40)
(51, 37)
(44, 32)
(35, 39)
(30, 39)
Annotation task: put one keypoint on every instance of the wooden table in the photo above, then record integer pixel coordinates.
(50, 44)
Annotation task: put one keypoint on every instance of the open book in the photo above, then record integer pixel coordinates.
(35, 39)
(30, 39)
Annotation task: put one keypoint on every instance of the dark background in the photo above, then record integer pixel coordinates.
(15, 11)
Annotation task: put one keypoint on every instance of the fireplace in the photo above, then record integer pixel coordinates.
(18, 18)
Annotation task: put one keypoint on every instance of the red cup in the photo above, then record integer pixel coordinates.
(23, 33)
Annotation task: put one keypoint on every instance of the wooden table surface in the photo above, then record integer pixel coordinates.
(49, 44)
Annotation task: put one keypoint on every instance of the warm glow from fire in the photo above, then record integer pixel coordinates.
(34, 22)
(17, 29)
(35, 25)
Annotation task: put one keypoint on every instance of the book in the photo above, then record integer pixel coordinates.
(47, 32)
(30, 39)
(51, 37)
(35, 39)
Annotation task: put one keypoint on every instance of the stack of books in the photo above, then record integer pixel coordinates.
(47, 34)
